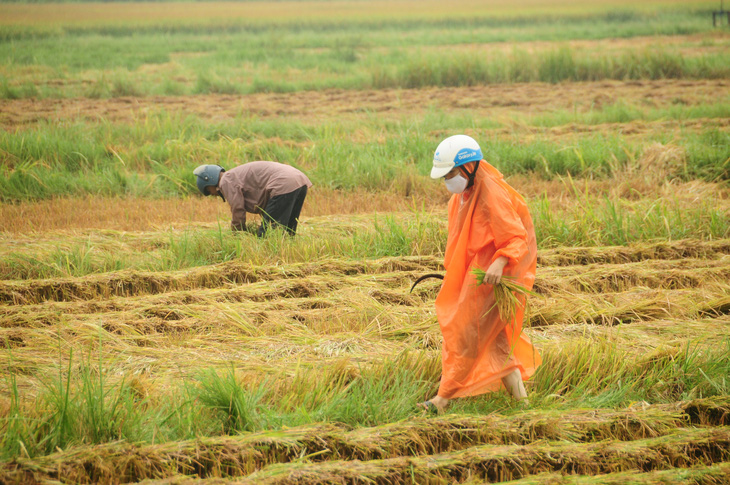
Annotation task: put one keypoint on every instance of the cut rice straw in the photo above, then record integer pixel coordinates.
(508, 295)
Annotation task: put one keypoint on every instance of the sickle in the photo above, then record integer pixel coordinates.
(426, 276)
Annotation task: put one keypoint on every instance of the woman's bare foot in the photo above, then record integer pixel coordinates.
(438, 402)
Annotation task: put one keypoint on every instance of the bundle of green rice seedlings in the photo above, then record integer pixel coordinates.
(508, 294)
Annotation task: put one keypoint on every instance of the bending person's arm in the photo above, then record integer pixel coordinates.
(235, 199)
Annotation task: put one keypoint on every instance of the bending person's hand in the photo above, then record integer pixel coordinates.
(494, 273)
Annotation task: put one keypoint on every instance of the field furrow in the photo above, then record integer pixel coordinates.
(179, 310)
(356, 310)
(133, 283)
(686, 264)
(360, 308)
(656, 274)
(717, 474)
(541, 97)
(675, 250)
(415, 438)
(637, 305)
(492, 464)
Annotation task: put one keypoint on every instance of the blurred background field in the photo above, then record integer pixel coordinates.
(102, 50)
(144, 340)
(124, 99)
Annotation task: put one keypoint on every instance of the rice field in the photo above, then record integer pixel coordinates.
(309, 370)
(142, 341)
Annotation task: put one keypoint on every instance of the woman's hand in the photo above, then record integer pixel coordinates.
(494, 272)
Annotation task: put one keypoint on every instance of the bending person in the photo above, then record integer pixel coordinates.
(489, 228)
(274, 190)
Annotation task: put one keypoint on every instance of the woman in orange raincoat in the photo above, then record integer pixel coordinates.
(489, 228)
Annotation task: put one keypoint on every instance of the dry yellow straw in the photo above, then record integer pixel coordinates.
(506, 294)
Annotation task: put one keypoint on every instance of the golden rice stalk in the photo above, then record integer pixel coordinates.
(121, 462)
(701, 473)
(508, 295)
(508, 462)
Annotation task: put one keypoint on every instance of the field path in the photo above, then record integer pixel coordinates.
(311, 106)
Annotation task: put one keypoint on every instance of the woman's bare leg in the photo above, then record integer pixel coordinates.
(515, 386)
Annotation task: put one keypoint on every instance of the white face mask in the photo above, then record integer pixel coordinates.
(456, 184)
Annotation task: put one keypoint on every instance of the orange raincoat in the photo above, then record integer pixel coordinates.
(486, 221)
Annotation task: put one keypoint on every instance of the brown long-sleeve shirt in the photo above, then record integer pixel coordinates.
(248, 187)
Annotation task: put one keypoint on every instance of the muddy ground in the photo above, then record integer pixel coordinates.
(496, 101)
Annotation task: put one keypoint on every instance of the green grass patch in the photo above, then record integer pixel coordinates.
(267, 55)
(590, 222)
(86, 406)
(155, 156)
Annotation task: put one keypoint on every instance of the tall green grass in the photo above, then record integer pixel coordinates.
(372, 69)
(77, 405)
(236, 406)
(617, 222)
(89, 406)
(623, 112)
(111, 59)
(420, 234)
(589, 221)
(597, 374)
(155, 156)
(563, 64)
